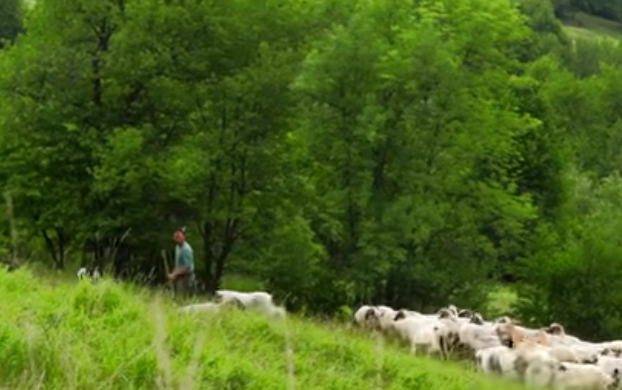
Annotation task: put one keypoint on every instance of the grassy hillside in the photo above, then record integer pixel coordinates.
(589, 26)
(109, 336)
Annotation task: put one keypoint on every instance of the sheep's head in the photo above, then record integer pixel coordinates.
(370, 313)
(513, 337)
(517, 338)
(616, 352)
(476, 318)
(506, 327)
(555, 328)
(233, 303)
(465, 313)
(506, 320)
(444, 313)
(593, 359)
(399, 315)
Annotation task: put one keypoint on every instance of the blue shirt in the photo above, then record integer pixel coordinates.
(184, 257)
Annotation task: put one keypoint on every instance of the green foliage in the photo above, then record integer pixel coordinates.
(110, 336)
(574, 279)
(386, 135)
(337, 152)
(11, 20)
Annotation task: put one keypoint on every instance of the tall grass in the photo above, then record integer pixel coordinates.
(111, 336)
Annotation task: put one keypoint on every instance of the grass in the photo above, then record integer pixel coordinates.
(501, 301)
(589, 26)
(112, 336)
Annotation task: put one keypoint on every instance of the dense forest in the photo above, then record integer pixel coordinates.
(608, 9)
(340, 151)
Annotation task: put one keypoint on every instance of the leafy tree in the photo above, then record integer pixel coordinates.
(11, 14)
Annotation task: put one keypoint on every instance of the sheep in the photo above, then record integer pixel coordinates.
(475, 337)
(611, 365)
(362, 315)
(410, 313)
(421, 332)
(403, 313)
(447, 331)
(610, 352)
(559, 334)
(534, 363)
(449, 311)
(505, 329)
(385, 316)
(557, 366)
(539, 371)
(499, 360)
(560, 352)
(505, 320)
(571, 376)
(259, 301)
(611, 348)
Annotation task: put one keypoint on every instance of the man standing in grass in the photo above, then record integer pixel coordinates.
(183, 274)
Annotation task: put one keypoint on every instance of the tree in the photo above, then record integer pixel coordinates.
(11, 14)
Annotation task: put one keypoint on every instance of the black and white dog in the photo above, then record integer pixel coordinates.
(92, 273)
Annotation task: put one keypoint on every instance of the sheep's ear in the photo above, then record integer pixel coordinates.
(369, 313)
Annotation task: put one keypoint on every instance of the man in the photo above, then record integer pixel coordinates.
(183, 274)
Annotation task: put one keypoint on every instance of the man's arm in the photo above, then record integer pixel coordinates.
(184, 265)
(179, 271)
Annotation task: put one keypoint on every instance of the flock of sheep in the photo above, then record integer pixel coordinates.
(539, 358)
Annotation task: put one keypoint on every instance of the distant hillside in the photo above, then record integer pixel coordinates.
(589, 26)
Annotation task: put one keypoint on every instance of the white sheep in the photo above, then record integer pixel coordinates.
(422, 333)
(361, 316)
(368, 316)
(540, 371)
(383, 317)
(499, 360)
(534, 364)
(476, 337)
(571, 376)
(611, 365)
(611, 348)
(259, 301)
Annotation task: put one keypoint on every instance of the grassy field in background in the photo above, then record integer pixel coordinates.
(501, 301)
(111, 336)
(588, 26)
